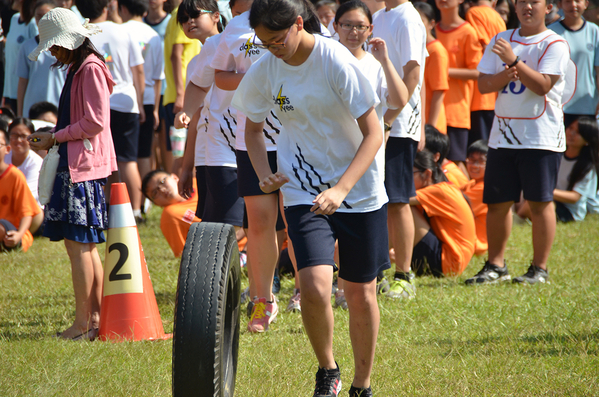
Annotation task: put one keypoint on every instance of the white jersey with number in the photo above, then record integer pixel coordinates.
(237, 52)
(220, 120)
(319, 111)
(405, 35)
(523, 119)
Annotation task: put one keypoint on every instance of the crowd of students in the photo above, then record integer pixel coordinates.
(371, 131)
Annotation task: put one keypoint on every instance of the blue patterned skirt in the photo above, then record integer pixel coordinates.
(76, 211)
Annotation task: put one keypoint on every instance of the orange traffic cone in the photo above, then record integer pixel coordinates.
(129, 310)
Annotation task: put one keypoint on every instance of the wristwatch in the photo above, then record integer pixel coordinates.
(387, 127)
(515, 62)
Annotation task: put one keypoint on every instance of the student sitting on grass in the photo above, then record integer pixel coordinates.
(17, 205)
(476, 163)
(445, 233)
(577, 176)
(438, 144)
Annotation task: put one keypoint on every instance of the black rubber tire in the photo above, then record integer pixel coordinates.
(207, 308)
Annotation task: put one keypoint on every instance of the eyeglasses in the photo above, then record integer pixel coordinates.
(16, 137)
(350, 27)
(156, 190)
(273, 46)
(478, 163)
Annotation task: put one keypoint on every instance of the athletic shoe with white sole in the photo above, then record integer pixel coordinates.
(340, 299)
(490, 274)
(534, 275)
(328, 382)
(263, 314)
(295, 302)
(401, 289)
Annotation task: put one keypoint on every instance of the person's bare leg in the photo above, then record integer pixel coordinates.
(401, 227)
(499, 227)
(96, 292)
(364, 318)
(523, 210)
(130, 175)
(262, 250)
(317, 313)
(543, 231)
(82, 272)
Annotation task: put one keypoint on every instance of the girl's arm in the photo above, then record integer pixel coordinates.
(396, 89)
(436, 103)
(463, 73)
(21, 90)
(566, 196)
(139, 82)
(14, 237)
(414, 201)
(194, 99)
(329, 201)
(227, 80)
(176, 61)
(254, 141)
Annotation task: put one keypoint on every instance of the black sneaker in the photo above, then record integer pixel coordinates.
(533, 275)
(490, 274)
(328, 382)
(355, 392)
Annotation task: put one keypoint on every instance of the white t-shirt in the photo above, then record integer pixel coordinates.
(19, 33)
(523, 119)
(319, 112)
(30, 167)
(220, 134)
(121, 53)
(153, 54)
(405, 35)
(200, 147)
(372, 69)
(236, 52)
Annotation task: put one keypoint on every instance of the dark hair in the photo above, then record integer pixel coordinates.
(481, 146)
(6, 137)
(22, 121)
(588, 157)
(350, 6)
(425, 160)
(92, 9)
(146, 180)
(136, 7)
(4, 123)
(79, 54)
(27, 10)
(7, 112)
(277, 15)
(40, 3)
(436, 142)
(512, 18)
(39, 108)
(425, 9)
(191, 9)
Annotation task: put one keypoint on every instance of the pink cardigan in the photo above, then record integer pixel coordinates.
(90, 118)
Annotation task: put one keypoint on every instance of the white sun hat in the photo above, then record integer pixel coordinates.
(62, 28)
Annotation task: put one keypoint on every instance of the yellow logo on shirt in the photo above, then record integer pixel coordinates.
(249, 48)
(283, 102)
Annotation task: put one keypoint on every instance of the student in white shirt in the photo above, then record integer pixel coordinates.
(125, 61)
(399, 24)
(329, 173)
(132, 12)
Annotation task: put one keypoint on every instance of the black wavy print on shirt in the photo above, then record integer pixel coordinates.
(504, 129)
(413, 120)
(312, 188)
(274, 129)
(230, 128)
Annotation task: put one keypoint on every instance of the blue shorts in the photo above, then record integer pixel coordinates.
(426, 256)
(202, 190)
(125, 135)
(223, 205)
(362, 237)
(146, 134)
(458, 143)
(7, 228)
(248, 183)
(399, 169)
(510, 172)
(169, 121)
(481, 122)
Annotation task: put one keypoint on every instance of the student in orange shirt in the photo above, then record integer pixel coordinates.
(445, 234)
(476, 164)
(436, 73)
(461, 42)
(438, 144)
(487, 22)
(17, 204)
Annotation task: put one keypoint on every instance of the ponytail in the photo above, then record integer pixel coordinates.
(425, 160)
(277, 15)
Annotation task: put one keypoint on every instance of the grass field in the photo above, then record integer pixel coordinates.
(452, 340)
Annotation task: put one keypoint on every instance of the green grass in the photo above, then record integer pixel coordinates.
(451, 340)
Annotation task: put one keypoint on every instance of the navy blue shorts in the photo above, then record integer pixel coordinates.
(458, 143)
(8, 227)
(426, 256)
(125, 135)
(399, 169)
(202, 190)
(362, 237)
(223, 205)
(510, 172)
(562, 213)
(169, 121)
(146, 134)
(481, 122)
